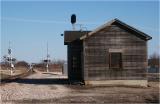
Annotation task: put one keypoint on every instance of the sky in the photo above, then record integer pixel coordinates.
(29, 25)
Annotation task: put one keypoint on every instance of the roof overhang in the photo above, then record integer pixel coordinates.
(70, 36)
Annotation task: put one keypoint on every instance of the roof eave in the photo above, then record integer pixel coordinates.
(97, 29)
(147, 37)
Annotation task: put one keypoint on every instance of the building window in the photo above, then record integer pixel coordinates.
(115, 60)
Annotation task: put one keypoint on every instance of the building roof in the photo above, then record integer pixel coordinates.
(131, 29)
(70, 36)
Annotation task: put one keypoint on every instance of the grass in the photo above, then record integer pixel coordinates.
(5, 73)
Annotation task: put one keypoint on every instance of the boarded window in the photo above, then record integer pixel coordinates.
(115, 60)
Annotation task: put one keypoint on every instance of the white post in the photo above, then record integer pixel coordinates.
(10, 58)
(47, 58)
(11, 65)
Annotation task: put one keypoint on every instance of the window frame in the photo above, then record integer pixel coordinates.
(110, 60)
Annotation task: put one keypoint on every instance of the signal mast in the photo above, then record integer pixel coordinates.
(10, 58)
(47, 60)
(73, 21)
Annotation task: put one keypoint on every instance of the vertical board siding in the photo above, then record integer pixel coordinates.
(96, 55)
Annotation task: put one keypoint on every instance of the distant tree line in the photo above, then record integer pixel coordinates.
(53, 62)
(41, 64)
(22, 64)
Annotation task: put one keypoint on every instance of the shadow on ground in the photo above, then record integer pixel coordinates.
(154, 99)
(60, 81)
(43, 81)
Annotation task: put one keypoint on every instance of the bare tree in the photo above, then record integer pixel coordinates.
(22, 64)
(58, 62)
(154, 60)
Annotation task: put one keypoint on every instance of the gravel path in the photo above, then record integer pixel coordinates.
(41, 88)
(21, 91)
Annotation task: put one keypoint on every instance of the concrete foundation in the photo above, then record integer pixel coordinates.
(141, 83)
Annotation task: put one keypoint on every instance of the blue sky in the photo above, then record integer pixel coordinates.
(30, 25)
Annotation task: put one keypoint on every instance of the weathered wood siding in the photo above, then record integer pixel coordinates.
(74, 60)
(96, 55)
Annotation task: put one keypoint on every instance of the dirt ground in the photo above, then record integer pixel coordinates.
(53, 88)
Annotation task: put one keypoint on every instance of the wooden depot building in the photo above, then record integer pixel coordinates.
(114, 53)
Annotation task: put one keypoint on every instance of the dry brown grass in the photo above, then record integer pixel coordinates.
(6, 73)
